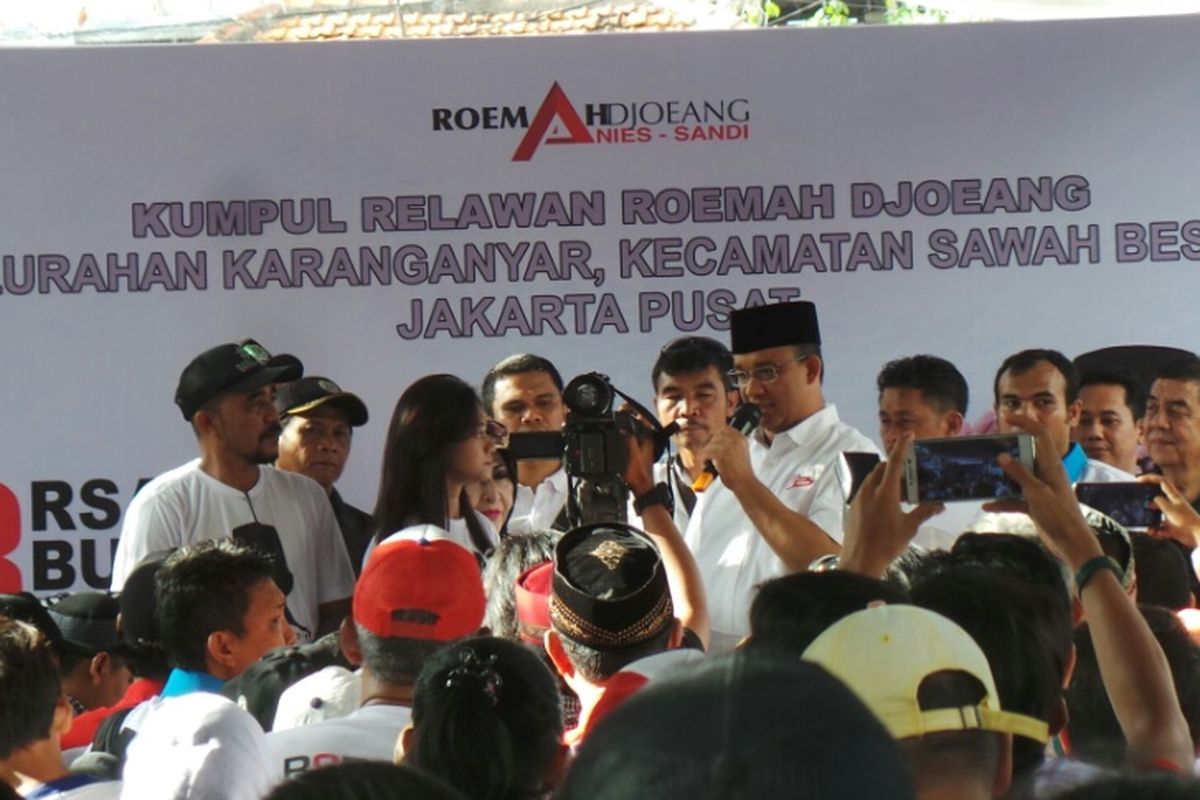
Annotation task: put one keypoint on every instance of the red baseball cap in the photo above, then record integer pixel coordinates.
(533, 602)
(420, 589)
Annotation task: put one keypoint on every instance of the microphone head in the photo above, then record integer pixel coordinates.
(746, 418)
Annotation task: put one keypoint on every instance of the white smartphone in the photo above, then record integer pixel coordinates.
(964, 467)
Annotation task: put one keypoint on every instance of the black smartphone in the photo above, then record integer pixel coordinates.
(853, 468)
(1129, 504)
(964, 467)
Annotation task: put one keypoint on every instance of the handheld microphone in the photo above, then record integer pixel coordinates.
(744, 420)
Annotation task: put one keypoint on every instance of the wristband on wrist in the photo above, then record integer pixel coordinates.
(1093, 565)
(660, 495)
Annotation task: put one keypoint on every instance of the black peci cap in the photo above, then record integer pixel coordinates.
(609, 588)
(237, 367)
(777, 325)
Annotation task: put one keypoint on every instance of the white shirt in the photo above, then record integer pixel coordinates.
(456, 531)
(537, 509)
(799, 468)
(197, 745)
(368, 734)
(187, 505)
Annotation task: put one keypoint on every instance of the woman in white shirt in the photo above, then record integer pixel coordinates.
(439, 443)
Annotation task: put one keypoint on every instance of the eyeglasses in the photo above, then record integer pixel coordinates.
(763, 373)
(495, 432)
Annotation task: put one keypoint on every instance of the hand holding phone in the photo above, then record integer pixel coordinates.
(964, 467)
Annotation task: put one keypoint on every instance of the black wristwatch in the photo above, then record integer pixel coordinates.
(660, 495)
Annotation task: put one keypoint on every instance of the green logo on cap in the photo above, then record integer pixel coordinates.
(256, 351)
(329, 386)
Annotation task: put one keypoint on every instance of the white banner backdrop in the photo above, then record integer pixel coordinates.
(386, 210)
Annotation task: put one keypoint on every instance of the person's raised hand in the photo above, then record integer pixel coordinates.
(1180, 521)
(877, 528)
(1047, 497)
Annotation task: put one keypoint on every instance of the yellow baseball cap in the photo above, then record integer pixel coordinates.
(883, 654)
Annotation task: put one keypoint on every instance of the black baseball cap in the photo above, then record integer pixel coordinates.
(304, 395)
(88, 621)
(24, 607)
(237, 367)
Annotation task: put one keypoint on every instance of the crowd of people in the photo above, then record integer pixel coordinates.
(747, 628)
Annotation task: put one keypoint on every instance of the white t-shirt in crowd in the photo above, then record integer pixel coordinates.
(369, 734)
(799, 468)
(197, 745)
(537, 509)
(187, 505)
(456, 531)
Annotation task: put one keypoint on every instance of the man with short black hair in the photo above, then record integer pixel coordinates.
(1110, 419)
(1043, 385)
(218, 611)
(412, 598)
(34, 714)
(922, 394)
(227, 393)
(779, 505)
(692, 388)
(318, 420)
(524, 392)
(926, 396)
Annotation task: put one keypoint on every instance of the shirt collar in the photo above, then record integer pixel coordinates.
(185, 681)
(1076, 462)
(806, 430)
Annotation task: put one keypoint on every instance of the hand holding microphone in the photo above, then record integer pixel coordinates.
(744, 420)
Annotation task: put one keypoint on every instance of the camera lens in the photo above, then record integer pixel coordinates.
(588, 395)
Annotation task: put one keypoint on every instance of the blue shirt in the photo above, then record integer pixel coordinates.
(1075, 462)
(183, 681)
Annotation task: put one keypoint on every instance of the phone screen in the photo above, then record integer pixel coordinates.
(964, 468)
(1129, 504)
(855, 468)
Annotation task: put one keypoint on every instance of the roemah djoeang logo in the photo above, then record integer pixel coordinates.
(557, 121)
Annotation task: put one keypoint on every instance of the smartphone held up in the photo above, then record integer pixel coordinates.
(964, 467)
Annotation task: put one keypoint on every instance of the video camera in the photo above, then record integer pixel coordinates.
(592, 447)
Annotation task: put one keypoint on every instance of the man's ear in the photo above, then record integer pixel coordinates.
(1073, 412)
(348, 640)
(558, 656)
(952, 422)
(220, 653)
(63, 716)
(98, 668)
(733, 398)
(813, 369)
(404, 744)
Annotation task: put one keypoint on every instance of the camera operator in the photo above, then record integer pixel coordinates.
(778, 505)
(524, 392)
(654, 505)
